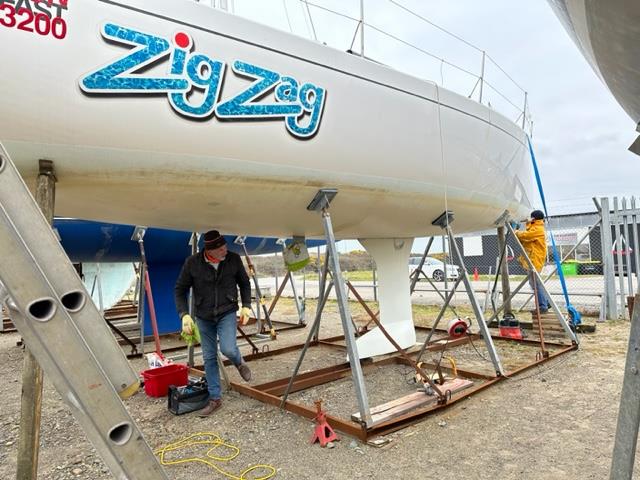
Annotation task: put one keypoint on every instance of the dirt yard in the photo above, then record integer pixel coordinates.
(552, 422)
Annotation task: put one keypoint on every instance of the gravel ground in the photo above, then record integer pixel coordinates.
(553, 422)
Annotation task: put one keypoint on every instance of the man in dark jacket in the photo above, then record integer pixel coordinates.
(215, 276)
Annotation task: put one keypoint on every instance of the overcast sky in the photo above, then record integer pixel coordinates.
(580, 133)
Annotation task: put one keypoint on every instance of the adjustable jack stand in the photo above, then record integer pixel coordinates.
(322, 432)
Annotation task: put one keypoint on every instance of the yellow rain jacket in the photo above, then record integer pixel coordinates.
(534, 241)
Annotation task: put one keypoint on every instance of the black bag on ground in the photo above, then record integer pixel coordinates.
(189, 398)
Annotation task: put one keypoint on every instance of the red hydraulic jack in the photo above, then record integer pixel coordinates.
(322, 432)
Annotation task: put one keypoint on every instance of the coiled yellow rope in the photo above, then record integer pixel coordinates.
(229, 452)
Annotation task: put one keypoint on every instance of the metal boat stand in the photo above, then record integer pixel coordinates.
(444, 221)
(276, 392)
(320, 203)
(261, 304)
(504, 220)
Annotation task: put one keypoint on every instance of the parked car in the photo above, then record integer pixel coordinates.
(434, 268)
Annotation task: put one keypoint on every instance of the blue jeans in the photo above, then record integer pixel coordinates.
(223, 330)
(543, 303)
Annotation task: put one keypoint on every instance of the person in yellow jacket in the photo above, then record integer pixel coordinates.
(534, 241)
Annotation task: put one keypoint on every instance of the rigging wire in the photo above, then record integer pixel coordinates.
(313, 28)
(411, 12)
(286, 12)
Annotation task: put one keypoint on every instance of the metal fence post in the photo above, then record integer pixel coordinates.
(607, 261)
(618, 254)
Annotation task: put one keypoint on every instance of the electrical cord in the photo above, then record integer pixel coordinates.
(477, 351)
(548, 367)
(216, 442)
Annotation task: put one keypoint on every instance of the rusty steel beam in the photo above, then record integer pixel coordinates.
(303, 384)
(270, 392)
(349, 427)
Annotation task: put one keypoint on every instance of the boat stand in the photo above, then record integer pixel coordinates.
(320, 203)
(504, 220)
(444, 221)
(261, 303)
(386, 419)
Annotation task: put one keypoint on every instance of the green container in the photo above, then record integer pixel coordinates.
(570, 268)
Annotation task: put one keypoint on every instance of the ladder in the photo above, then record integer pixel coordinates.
(63, 329)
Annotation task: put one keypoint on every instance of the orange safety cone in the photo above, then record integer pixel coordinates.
(475, 274)
(322, 432)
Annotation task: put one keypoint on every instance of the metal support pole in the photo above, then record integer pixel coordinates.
(375, 284)
(345, 316)
(418, 270)
(313, 332)
(321, 303)
(567, 255)
(100, 296)
(627, 241)
(299, 303)
(260, 303)
(561, 318)
(322, 296)
(618, 250)
(624, 449)
(194, 249)
(524, 111)
(141, 305)
(447, 252)
(438, 318)
(607, 260)
(636, 244)
(484, 329)
(504, 272)
(32, 377)
(513, 294)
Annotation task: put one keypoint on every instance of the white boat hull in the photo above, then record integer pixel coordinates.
(131, 146)
(397, 148)
(607, 34)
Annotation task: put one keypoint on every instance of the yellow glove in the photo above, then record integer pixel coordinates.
(187, 325)
(245, 315)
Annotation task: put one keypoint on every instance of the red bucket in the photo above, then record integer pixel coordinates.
(157, 380)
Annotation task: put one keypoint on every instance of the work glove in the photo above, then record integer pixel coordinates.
(187, 325)
(190, 333)
(245, 314)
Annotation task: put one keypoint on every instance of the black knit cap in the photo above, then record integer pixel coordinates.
(213, 240)
(537, 215)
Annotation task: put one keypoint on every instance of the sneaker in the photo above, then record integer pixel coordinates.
(211, 407)
(244, 371)
(543, 311)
